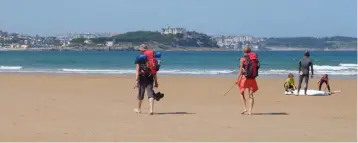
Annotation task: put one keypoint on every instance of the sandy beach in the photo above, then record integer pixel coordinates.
(50, 107)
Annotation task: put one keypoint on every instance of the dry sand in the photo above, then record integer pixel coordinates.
(99, 108)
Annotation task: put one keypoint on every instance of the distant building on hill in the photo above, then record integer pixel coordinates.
(88, 41)
(237, 41)
(174, 31)
(109, 43)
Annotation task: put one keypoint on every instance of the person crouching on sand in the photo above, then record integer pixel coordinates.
(324, 79)
(246, 78)
(290, 83)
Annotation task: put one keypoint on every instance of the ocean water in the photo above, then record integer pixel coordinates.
(273, 63)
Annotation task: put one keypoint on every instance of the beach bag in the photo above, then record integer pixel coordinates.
(143, 68)
(251, 65)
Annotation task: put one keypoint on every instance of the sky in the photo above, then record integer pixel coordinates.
(263, 18)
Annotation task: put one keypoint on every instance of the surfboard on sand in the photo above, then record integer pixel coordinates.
(309, 92)
(313, 92)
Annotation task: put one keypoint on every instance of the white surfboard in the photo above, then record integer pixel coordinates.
(309, 92)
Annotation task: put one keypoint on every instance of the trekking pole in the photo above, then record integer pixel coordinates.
(234, 85)
(229, 89)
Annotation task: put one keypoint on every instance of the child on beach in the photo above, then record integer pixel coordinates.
(324, 79)
(290, 83)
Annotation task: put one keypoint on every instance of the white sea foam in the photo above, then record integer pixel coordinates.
(341, 69)
(111, 71)
(10, 67)
(105, 71)
(281, 72)
(348, 65)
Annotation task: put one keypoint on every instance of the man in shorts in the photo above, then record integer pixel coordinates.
(144, 83)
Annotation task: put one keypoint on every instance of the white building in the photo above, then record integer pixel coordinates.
(169, 30)
(24, 46)
(246, 38)
(88, 41)
(109, 43)
(66, 43)
(236, 41)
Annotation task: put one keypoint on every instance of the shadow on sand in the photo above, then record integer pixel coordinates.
(273, 113)
(173, 113)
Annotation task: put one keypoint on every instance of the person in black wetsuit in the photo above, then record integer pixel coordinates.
(303, 70)
(324, 79)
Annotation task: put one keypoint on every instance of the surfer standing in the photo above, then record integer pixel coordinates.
(305, 65)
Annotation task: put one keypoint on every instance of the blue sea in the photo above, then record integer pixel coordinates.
(273, 63)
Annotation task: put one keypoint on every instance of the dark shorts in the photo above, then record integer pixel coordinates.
(142, 88)
(322, 81)
(289, 86)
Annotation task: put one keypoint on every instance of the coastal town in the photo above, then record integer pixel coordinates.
(115, 41)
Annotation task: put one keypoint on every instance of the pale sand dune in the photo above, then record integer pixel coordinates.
(99, 108)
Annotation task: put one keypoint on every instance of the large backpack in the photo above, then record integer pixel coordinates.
(144, 70)
(251, 65)
(152, 62)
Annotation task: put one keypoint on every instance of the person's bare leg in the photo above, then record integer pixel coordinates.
(151, 106)
(243, 99)
(140, 97)
(138, 110)
(251, 99)
(150, 93)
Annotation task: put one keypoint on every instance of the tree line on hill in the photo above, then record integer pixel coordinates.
(189, 39)
(335, 42)
(195, 39)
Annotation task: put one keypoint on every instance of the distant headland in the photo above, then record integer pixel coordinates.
(171, 39)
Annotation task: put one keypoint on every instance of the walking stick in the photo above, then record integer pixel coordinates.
(233, 85)
(229, 89)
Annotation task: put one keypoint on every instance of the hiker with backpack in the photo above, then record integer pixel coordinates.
(248, 71)
(146, 76)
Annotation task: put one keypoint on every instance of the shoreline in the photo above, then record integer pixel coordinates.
(229, 76)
